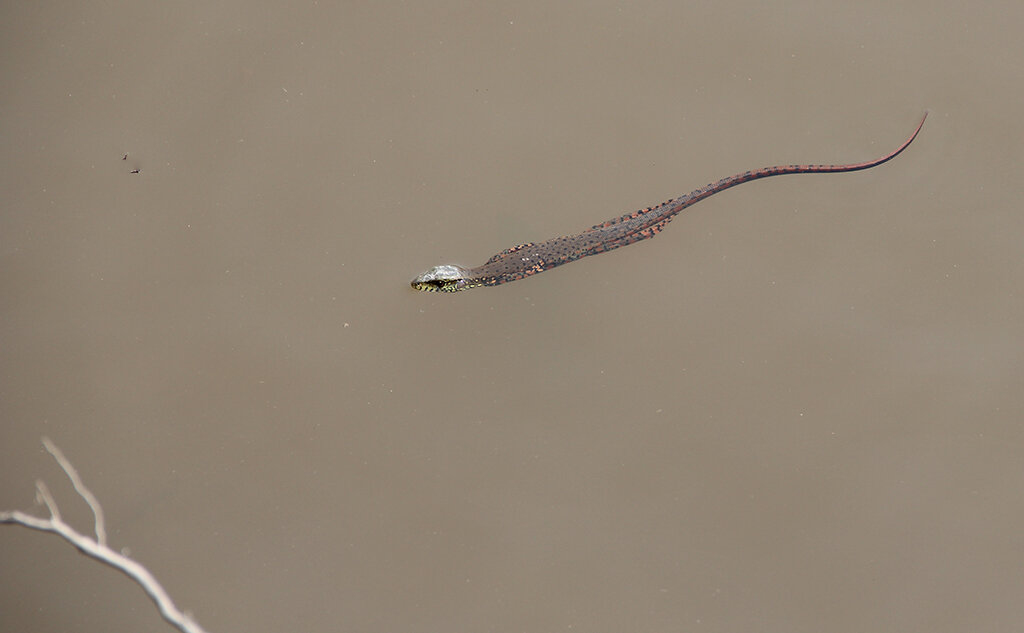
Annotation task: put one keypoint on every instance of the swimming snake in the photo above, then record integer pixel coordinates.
(529, 259)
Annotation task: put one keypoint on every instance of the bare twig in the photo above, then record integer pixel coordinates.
(97, 549)
(94, 503)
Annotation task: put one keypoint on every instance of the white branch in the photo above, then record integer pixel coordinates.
(94, 503)
(97, 549)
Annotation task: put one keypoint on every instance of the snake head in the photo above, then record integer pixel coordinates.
(446, 278)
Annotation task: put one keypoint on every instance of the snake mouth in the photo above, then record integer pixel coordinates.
(446, 278)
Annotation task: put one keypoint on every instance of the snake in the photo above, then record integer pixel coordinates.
(526, 260)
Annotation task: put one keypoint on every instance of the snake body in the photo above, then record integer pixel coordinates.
(529, 259)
